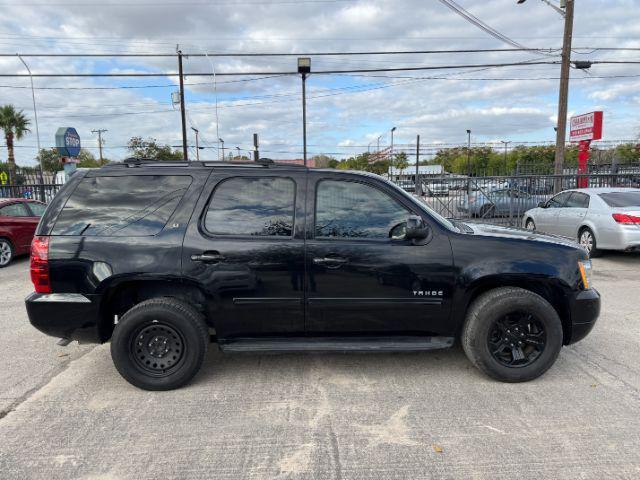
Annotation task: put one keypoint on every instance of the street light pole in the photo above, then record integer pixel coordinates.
(197, 144)
(238, 148)
(222, 148)
(35, 114)
(391, 161)
(505, 143)
(185, 152)
(468, 153)
(304, 67)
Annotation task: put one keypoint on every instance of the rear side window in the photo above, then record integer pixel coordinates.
(621, 199)
(121, 206)
(252, 206)
(578, 200)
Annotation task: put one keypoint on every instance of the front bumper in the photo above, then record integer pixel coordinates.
(66, 315)
(585, 309)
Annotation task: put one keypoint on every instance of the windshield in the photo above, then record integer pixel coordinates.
(621, 199)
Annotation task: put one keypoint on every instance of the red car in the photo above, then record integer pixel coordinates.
(18, 221)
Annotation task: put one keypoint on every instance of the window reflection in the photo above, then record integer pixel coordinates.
(252, 206)
(121, 206)
(355, 210)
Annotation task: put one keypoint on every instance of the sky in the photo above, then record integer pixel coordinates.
(346, 113)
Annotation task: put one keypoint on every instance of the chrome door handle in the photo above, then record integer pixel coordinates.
(207, 257)
(330, 262)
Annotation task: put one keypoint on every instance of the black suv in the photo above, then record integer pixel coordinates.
(163, 257)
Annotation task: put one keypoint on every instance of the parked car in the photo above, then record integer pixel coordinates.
(163, 257)
(598, 218)
(436, 189)
(496, 203)
(19, 218)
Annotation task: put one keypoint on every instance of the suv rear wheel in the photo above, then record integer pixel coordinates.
(512, 334)
(159, 344)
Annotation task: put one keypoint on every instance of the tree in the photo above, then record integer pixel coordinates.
(49, 159)
(14, 124)
(400, 161)
(324, 161)
(150, 148)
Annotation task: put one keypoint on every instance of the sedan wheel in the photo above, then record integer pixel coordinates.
(530, 225)
(6, 253)
(588, 241)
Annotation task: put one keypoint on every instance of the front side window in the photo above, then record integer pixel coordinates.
(354, 210)
(559, 200)
(14, 210)
(137, 205)
(252, 206)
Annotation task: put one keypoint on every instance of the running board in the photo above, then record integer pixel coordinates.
(324, 344)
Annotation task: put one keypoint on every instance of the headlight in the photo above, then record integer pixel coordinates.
(585, 272)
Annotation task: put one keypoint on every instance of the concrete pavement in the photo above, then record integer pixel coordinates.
(400, 416)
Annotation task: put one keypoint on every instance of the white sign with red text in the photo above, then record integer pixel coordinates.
(585, 127)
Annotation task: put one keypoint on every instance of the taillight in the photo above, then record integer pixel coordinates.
(626, 219)
(40, 264)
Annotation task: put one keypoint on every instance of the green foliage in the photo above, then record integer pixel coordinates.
(150, 148)
(323, 161)
(14, 124)
(400, 161)
(51, 160)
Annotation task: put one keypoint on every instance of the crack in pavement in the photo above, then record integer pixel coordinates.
(53, 373)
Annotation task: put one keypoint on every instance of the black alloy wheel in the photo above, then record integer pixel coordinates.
(517, 340)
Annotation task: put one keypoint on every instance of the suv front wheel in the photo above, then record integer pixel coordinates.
(512, 334)
(159, 344)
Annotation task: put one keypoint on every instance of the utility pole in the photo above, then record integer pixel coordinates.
(564, 93)
(100, 131)
(256, 153)
(197, 144)
(239, 156)
(185, 152)
(418, 183)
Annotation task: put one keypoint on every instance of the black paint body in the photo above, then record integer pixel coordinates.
(277, 287)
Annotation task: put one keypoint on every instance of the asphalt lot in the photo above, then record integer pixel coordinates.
(65, 413)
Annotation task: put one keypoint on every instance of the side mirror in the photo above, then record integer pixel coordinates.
(416, 228)
(542, 204)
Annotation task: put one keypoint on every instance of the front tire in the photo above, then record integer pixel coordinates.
(512, 334)
(6, 252)
(530, 225)
(159, 344)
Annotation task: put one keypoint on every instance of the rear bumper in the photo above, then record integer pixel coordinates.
(66, 315)
(585, 309)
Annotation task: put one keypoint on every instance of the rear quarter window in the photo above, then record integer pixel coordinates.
(137, 205)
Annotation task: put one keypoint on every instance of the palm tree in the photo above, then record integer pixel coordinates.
(15, 125)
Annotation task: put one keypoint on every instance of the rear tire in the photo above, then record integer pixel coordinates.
(159, 344)
(512, 334)
(587, 239)
(6, 252)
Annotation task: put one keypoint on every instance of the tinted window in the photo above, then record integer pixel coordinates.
(14, 210)
(355, 210)
(578, 200)
(559, 200)
(621, 199)
(252, 206)
(37, 208)
(121, 206)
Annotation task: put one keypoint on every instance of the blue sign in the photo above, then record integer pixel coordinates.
(68, 142)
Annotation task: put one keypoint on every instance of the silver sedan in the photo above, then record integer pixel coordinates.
(598, 218)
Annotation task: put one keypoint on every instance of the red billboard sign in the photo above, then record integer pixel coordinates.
(585, 127)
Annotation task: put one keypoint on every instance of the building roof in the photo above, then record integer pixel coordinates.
(422, 170)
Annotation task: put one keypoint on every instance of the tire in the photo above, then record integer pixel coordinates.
(530, 225)
(487, 211)
(6, 252)
(587, 239)
(159, 344)
(503, 305)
